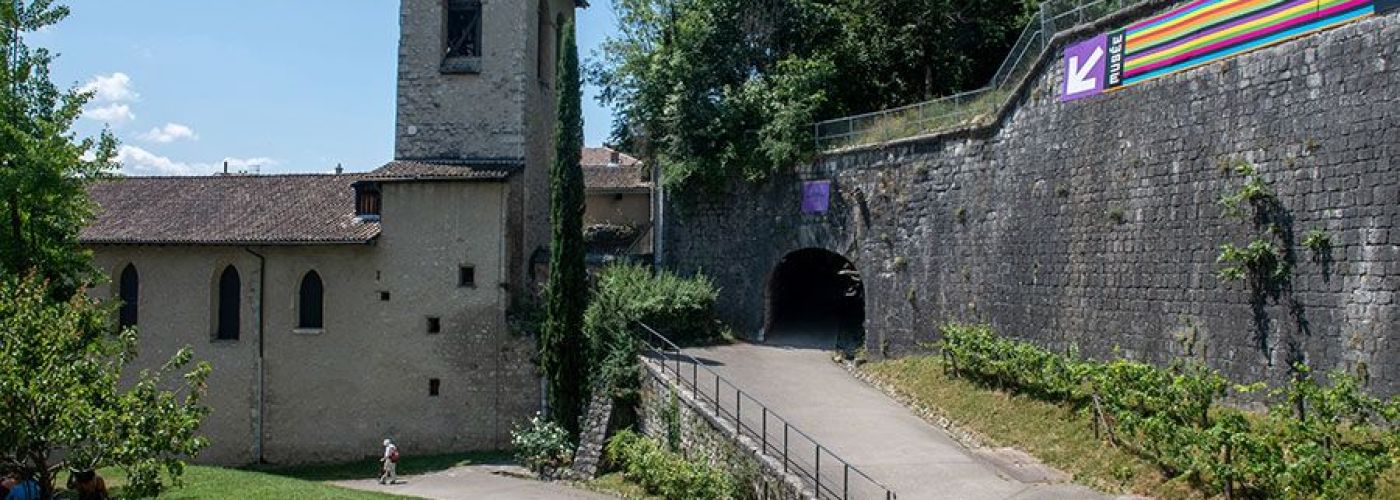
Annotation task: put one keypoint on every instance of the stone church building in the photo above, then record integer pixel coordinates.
(341, 309)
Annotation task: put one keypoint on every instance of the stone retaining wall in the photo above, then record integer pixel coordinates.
(1096, 224)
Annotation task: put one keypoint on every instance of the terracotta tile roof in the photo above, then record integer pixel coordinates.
(228, 210)
(446, 170)
(602, 157)
(615, 178)
(599, 171)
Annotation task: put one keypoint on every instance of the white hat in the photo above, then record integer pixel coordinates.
(386, 442)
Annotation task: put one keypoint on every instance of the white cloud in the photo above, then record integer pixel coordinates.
(137, 161)
(115, 87)
(114, 114)
(171, 132)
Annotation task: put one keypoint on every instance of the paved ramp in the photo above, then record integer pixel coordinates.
(874, 433)
(474, 482)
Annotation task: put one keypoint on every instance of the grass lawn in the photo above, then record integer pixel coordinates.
(614, 484)
(201, 482)
(1057, 435)
(302, 481)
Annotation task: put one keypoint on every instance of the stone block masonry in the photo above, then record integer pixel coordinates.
(1096, 224)
(707, 437)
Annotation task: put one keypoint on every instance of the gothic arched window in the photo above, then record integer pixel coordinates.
(230, 291)
(310, 301)
(129, 291)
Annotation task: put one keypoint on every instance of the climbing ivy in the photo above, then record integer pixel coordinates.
(1262, 263)
(1260, 260)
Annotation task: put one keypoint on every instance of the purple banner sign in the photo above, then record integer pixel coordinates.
(1084, 68)
(816, 197)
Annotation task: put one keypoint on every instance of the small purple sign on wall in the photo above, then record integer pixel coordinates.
(816, 197)
(1084, 68)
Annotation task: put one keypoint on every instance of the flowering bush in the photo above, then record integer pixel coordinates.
(541, 445)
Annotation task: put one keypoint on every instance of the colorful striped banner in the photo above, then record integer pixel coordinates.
(1205, 31)
(1210, 30)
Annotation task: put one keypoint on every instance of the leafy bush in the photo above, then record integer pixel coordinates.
(606, 232)
(682, 308)
(1317, 440)
(664, 473)
(541, 445)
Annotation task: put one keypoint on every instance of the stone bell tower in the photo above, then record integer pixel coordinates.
(476, 89)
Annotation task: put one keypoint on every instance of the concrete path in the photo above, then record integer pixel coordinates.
(874, 433)
(474, 482)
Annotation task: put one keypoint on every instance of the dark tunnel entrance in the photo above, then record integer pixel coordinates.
(816, 299)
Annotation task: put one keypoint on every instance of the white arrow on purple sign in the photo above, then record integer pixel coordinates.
(1084, 68)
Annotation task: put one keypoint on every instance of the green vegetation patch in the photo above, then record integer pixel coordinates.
(1136, 427)
(616, 484)
(202, 482)
(681, 308)
(1059, 435)
(646, 462)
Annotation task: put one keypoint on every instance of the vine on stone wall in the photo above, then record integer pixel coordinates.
(1262, 263)
(1265, 264)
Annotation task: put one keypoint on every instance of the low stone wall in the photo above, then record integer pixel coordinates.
(707, 437)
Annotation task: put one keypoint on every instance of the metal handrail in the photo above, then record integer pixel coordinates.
(763, 428)
(1029, 47)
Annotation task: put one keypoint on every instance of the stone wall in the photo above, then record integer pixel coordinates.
(1096, 224)
(704, 436)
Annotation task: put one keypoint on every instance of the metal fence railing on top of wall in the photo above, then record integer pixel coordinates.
(828, 475)
(974, 107)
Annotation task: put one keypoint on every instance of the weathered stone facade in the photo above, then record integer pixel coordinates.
(1096, 223)
(505, 110)
(333, 393)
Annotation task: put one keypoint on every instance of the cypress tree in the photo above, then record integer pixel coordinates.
(563, 344)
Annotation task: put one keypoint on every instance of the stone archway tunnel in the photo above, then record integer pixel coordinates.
(815, 297)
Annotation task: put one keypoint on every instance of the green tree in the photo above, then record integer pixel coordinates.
(61, 367)
(563, 346)
(44, 169)
(717, 90)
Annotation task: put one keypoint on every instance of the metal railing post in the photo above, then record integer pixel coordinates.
(765, 429)
(785, 446)
(738, 408)
(818, 473)
(846, 481)
(695, 377)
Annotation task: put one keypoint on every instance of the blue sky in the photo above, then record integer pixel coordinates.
(282, 86)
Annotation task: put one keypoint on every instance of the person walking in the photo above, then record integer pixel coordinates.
(390, 473)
